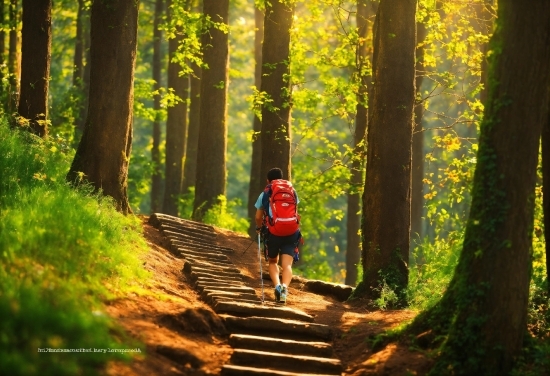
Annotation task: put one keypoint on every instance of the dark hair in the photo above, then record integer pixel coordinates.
(274, 173)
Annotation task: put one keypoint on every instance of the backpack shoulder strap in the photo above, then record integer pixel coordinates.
(265, 198)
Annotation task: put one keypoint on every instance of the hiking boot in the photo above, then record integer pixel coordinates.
(284, 294)
(278, 289)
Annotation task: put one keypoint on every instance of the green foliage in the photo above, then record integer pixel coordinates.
(221, 214)
(63, 251)
(387, 297)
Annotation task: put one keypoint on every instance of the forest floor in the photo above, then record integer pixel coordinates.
(181, 335)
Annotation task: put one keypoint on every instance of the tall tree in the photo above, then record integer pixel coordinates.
(211, 172)
(103, 153)
(386, 197)
(13, 60)
(79, 70)
(2, 37)
(417, 174)
(190, 162)
(364, 64)
(490, 287)
(36, 45)
(176, 130)
(256, 181)
(545, 140)
(275, 86)
(156, 185)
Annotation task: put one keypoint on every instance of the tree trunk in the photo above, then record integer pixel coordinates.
(2, 38)
(211, 172)
(275, 134)
(13, 60)
(387, 197)
(85, 86)
(256, 180)
(176, 132)
(78, 59)
(103, 153)
(490, 287)
(190, 163)
(364, 62)
(417, 174)
(156, 184)
(36, 45)
(546, 193)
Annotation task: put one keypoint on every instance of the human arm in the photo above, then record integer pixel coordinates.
(259, 219)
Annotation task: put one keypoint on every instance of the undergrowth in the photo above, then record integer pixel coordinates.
(63, 252)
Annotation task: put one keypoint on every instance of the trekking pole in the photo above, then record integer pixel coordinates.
(261, 273)
(248, 246)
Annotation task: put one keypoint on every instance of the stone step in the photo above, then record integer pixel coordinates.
(177, 239)
(269, 344)
(175, 242)
(156, 219)
(210, 264)
(253, 301)
(209, 294)
(202, 270)
(217, 286)
(205, 267)
(211, 235)
(228, 288)
(211, 255)
(243, 309)
(233, 281)
(212, 274)
(280, 328)
(233, 370)
(286, 362)
(208, 259)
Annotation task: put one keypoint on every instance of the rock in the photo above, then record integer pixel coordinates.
(339, 291)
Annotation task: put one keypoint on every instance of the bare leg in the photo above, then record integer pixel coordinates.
(286, 264)
(274, 271)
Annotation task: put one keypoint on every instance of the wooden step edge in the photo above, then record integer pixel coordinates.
(234, 370)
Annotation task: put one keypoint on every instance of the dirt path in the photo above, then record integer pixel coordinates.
(188, 334)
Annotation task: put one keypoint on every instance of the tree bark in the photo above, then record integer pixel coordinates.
(2, 38)
(13, 60)
(275, 134)
(211, 172)
(256, 180)
(417, 174)
(156, 178)
(490, 287)
(103, 153)
(386, 197)
(546, 193)
(85, 87)
(176, 133)
(36, 45)
(190, 163)
(78, 59)
(364, 62)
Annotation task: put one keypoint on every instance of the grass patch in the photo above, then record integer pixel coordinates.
(63, 252)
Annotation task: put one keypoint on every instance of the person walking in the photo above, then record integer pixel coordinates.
(277, 211)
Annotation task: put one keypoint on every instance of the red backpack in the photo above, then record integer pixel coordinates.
(281, 197)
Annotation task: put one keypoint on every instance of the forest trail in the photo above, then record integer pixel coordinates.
(217, 323)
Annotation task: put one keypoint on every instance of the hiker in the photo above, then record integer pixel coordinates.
(276, 211)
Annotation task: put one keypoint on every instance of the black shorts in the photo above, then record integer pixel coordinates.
(283, 245)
